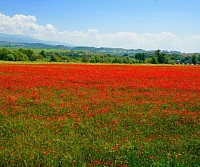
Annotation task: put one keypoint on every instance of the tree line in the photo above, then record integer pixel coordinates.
(156, 57)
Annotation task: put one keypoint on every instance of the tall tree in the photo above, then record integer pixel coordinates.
(140, 56)
(154, 60)
(43, 53)
(194, 59)
(160, 56)
(84, 58)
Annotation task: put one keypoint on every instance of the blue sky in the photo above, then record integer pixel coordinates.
(117, 20)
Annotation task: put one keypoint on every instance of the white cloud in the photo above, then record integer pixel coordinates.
(27, 25)
(24, 25)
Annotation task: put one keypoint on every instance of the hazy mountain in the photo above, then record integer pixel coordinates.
(20, 41)
(27, 39)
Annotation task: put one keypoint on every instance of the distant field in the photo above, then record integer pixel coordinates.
(99, 115)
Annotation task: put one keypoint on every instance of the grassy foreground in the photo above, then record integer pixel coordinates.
(99, 115)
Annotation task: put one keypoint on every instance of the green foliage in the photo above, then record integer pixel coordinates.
(140, 56)
(160, 56)
(194, 59)
(55, 58)
(65, 58)
(98, 59)
(117, 60)
(154, 60)
(171, 62)
(198, 59)
(186, 60)
(84, 58)
(157, 52)
(43, 54)
(125, 55)
(128, 57)
(20, 56)
(9, 57)
(92, 59)
(148, 60)
(3, 53)
(127, 60)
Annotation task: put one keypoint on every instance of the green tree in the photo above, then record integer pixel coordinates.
(154, 60)
(98, 59)
(194, 59)
(148, 60)
(65, 58)
(140, 56)
(160, 56)
(117, 59)
(55, 58)
(43, 53)
(19, 56)
(157, 52)
(126, 60)
(172, 62)
(186, 60)
(125, 55)
(29, 53)
(9, 57)
(92, 59)
(36, 56)
(84, 58)
(198, 59)
(3, 53)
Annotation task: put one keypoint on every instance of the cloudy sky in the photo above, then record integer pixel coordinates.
(145, 24)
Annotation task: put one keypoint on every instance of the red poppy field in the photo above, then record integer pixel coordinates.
(99, 115)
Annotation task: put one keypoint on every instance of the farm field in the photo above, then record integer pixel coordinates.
(99, 115)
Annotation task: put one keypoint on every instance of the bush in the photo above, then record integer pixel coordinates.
(19, 56)
(154, 60)
(171, 62)
(55, 58)
(9, 57)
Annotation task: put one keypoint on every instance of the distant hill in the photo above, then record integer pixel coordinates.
(20, 41)
(32, 45)
(27, 39)
(113, 51)
(118, 51)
